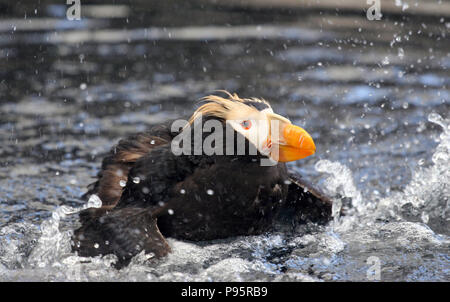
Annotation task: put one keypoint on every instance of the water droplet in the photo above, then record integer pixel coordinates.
(425, 217)
(56, 216)
(122, 183)
(136, 180)
(210, 192)
(437, 119)
(83, 86)
(94, 201)
(183, 191)
(170, 211)
(96, 245)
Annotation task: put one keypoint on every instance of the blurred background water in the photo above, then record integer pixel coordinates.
(373, 94)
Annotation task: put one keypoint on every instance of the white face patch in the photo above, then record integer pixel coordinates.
(256, 129)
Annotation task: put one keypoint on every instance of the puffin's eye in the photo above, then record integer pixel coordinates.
(246, 124)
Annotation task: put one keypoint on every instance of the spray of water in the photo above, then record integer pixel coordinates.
(335, 252)
(53, 243)
(426, 196)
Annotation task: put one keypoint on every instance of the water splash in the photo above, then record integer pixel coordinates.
(53, 243)
(426, 197)
(340, 185)
(403, 228)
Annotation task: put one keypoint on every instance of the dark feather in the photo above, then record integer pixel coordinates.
(117, 164)
(123, 232)
(188, 197)
(306, 202)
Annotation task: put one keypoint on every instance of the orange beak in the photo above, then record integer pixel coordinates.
(298, 144)
(292, 143)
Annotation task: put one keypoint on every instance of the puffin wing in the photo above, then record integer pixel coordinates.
(124, 232)
(306, 202)
(122, 226)
(130, 226)
(117, 164)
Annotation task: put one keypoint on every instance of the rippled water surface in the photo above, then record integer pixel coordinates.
(374, 96)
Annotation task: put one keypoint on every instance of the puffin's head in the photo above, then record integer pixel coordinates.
(273, 135)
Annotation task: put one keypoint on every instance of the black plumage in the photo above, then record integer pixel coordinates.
(190, 197)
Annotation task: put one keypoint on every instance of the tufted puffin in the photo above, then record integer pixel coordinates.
(150, 191)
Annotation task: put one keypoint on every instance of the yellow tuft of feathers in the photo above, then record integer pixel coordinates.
(226, 108)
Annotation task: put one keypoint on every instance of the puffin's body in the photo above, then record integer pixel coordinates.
(148, 192)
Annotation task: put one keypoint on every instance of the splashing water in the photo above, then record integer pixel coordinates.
(53, 243)
(426, 197)
(400, 226)
(334, 254)
(340, 181)
(339, 184)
